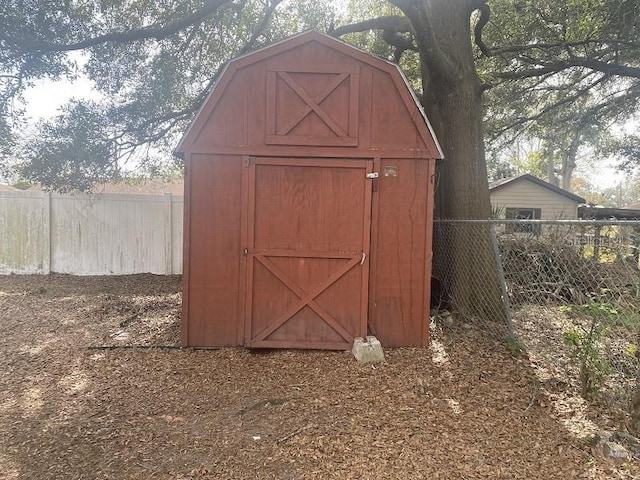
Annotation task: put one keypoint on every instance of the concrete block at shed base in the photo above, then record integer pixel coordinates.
(615, 451)
(367, 351)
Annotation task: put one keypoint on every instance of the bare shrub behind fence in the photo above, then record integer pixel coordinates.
(571, 290)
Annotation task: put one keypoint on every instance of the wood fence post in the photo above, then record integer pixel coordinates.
(46, 230)
(168, 232)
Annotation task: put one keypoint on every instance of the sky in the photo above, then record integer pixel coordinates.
(45, 98)
(602, 174)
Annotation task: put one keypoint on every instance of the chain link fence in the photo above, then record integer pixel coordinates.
(567, 291)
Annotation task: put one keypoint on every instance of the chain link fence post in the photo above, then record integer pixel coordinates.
(511, 336)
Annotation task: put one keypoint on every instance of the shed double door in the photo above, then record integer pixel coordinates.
(307, 250)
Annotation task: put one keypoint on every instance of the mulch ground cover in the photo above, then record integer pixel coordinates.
(80, 398)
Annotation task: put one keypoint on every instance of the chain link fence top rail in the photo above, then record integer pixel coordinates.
(569, 291)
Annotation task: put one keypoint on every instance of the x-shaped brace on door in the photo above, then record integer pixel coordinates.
(306, 298)
(313, 104)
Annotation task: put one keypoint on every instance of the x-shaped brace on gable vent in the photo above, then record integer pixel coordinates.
(313, 104)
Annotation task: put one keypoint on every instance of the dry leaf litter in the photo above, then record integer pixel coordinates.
(78, 402)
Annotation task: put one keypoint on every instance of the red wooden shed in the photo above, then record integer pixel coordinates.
(308, 202)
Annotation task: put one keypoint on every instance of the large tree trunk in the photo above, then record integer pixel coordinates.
(551, 163)
(569, 161)
(453, 103)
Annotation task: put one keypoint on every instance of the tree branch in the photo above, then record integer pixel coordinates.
(248, 46)
(399, 42)
(391, 27)
(566, 100)
(610, 69)
(441, 65)
(393, 23)
(177, 115)
(593, 64)
(154, 31)
(550, 45)
(485, 16)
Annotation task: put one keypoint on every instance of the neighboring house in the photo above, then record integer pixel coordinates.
(528, 197)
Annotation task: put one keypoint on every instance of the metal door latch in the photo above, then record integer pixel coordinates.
(372, 175)
(364, 257)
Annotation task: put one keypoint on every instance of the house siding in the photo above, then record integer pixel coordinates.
(525, 194)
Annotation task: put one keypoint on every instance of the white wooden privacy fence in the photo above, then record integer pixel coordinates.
(104, 234)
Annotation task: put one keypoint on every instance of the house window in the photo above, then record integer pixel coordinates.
(523, 214)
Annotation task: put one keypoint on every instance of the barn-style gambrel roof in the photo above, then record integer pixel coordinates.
(246, 105)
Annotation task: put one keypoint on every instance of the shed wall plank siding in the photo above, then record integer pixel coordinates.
(401, 254)
(308, 203)
(214, 245)
(90, 235)
(529, 195)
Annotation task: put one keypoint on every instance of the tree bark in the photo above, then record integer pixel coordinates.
(551, 164)
(453, 102)
(569, 161)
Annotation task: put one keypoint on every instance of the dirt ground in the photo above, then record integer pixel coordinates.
(69, 408)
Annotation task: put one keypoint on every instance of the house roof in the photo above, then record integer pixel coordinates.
(600, 213)
(495, 185)
(408, 96)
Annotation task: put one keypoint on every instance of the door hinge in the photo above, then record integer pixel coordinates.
(372, 175)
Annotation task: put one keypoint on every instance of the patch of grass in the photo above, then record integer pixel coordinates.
(585, 338)
(514, 345)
